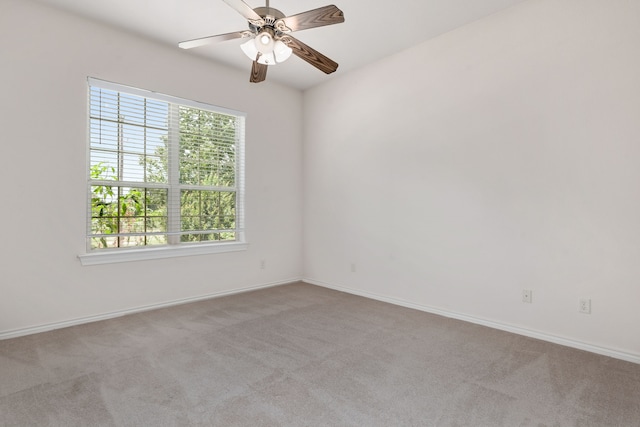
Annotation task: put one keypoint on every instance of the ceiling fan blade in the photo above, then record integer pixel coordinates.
(258, 72)
(245, 10)
(310, 55)
(326, 15)
(189, 44)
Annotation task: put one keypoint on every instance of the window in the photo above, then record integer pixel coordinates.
(164, 174)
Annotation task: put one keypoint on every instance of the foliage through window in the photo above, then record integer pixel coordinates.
(162, 170)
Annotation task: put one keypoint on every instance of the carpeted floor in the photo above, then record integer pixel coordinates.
(301, 355)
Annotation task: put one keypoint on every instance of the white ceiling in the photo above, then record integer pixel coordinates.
(371, 31)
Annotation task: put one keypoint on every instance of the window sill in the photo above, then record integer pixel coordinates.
(127, 255)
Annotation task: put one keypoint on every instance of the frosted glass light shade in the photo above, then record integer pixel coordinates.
(281, 51)
(264, 43)
(272, 51)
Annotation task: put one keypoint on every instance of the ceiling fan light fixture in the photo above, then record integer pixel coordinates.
(270, 53)
(249, 48)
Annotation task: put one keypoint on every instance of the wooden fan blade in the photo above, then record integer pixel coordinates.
(258, 72)
(245, 10)
(189, 44)
(310, 55)
(327, 15)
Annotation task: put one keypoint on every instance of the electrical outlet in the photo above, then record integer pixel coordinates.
(527, 296)
(263, 264)
(353, 267)
(585, 306)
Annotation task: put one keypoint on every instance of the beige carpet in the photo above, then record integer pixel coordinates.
(301, 355)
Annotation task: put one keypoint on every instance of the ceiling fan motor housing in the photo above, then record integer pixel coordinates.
(269, 14)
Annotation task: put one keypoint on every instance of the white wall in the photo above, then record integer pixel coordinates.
(45, 59)
(499, 157)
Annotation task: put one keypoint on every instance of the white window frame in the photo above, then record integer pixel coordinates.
(114, 255)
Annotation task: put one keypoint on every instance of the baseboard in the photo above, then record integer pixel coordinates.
(629, 357)
(14, 333)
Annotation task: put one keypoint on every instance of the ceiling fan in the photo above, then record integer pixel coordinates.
(270, 36)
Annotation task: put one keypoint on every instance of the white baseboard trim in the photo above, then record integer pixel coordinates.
(629, 357)
(15, 333)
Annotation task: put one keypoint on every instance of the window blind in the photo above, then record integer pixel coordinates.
(162, 170)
